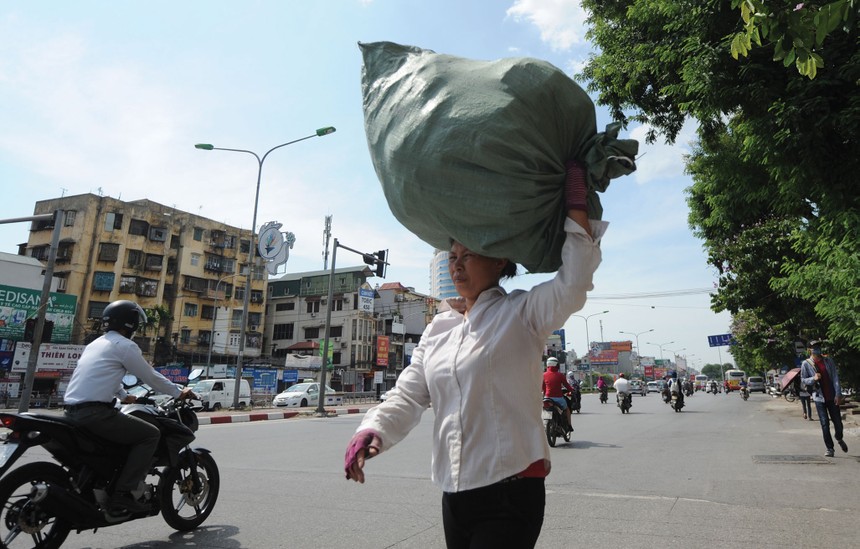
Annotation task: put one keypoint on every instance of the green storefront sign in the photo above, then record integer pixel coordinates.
(19, 304)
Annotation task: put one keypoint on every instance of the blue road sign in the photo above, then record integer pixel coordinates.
(720, 340)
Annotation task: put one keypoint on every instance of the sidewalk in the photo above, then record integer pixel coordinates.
(265, 414)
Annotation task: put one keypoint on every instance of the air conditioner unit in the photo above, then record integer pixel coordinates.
(313, 315)
(336, 339)
(342, 344)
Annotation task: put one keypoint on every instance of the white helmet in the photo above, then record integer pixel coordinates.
(552, 362)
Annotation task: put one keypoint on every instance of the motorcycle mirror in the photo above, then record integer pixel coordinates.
(195, 374)
(129, 380)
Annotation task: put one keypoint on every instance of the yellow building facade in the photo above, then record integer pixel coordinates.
(190, 271)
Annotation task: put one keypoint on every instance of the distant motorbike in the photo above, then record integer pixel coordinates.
(625, 401)
(745, 393)
(667, 396)
(574, 399)
(554, 422)
(677, 399)
(604, 395)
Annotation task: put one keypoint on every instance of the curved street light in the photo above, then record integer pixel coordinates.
(246, 301)
(638, 351)
(588, 339)
(661, 345)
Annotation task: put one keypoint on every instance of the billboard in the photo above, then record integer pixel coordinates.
(19, 304)
(51, 357)
(382, 346)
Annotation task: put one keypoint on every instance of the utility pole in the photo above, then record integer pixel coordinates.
(326, 237)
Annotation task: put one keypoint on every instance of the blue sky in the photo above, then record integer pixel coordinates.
(111, 97)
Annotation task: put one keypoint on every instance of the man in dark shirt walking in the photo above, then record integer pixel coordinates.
(819, 372)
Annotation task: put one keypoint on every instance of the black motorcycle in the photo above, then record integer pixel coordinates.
(677, 399)
(554, 422)
(43, 501)
(604, 395)
(624, 402)
(574, 399)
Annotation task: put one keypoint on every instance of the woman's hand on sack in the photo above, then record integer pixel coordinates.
(363, 446)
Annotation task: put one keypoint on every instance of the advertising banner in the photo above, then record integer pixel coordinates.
(382, 346)
(621, 346)
(176, 374)
(604, 358)
(51, 357)
(649, 372)
(19, 304)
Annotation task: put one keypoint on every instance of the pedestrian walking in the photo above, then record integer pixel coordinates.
(820, 373)
(490, 453)
(805, 402)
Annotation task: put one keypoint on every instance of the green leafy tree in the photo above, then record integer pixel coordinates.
(774, 194)
(795, 31)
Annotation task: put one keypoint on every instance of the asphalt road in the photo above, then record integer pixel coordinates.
(650, 478)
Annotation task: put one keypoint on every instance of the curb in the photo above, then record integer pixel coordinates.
(266, 416)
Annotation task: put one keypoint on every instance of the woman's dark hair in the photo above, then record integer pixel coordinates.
(509, 271)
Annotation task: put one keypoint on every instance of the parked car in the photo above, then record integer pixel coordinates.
(301, 395)
(756, 383)
(654, 387)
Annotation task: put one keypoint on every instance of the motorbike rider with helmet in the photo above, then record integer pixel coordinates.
(95, 385)
(676, 387)
(551, 387)
(622, 389)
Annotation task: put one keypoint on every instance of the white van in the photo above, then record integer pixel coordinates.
(218, 393)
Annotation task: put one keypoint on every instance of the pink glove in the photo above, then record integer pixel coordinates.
(575, 188)
(353, 462)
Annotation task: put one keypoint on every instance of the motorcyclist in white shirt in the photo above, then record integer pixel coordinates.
(95, 386)
(622, 388)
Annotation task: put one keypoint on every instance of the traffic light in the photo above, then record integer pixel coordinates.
(30, 330)
(380, 263)
(377, 259)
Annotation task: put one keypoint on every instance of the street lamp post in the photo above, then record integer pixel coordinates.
(588, 340)
(661, 345)
(638, 351)
(214, 319)
(246, 301)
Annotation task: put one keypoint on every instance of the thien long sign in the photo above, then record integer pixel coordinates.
(51, 357)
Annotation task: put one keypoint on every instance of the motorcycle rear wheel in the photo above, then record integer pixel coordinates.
(23, 523)
(551, 431)
(182, 507)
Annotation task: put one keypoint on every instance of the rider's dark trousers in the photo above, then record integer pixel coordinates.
(140, 436)
(506, 514)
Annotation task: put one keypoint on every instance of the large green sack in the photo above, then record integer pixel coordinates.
(474, 151)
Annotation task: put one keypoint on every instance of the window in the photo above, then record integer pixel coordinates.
(113, 221)
(236, 319)
(154, 262)
(147, 287)
(138, 227)
(64, 252)
(198, 234)
(254, 319)
(234, 340)
(158, 234)
(96, 308)
(195, 260)
(135, 259)
(244, 246)
(190, 309)
(108, 251)
(335, 357)
(40, 253)
(127, 284)
(229, 241)
(335, 331)
(185, 335)
(240, 293)
(256, 296)
(283, 331)
(313, 307)
(285, 306)
(204, 337)
(103, 282)
(194, 284)
(337, 305)
(207, 312)
(70, 218)
(312, 333)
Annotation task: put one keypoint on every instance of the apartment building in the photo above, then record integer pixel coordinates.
(189, 270)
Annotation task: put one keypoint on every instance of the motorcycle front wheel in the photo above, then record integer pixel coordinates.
(183, 506)
(23, 522)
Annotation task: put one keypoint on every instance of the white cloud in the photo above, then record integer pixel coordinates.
(560, 22)
(659, 161)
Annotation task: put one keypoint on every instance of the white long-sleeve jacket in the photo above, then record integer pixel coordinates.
(482, 373)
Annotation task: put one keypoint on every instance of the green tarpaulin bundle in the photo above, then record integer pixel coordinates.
(474, 151)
